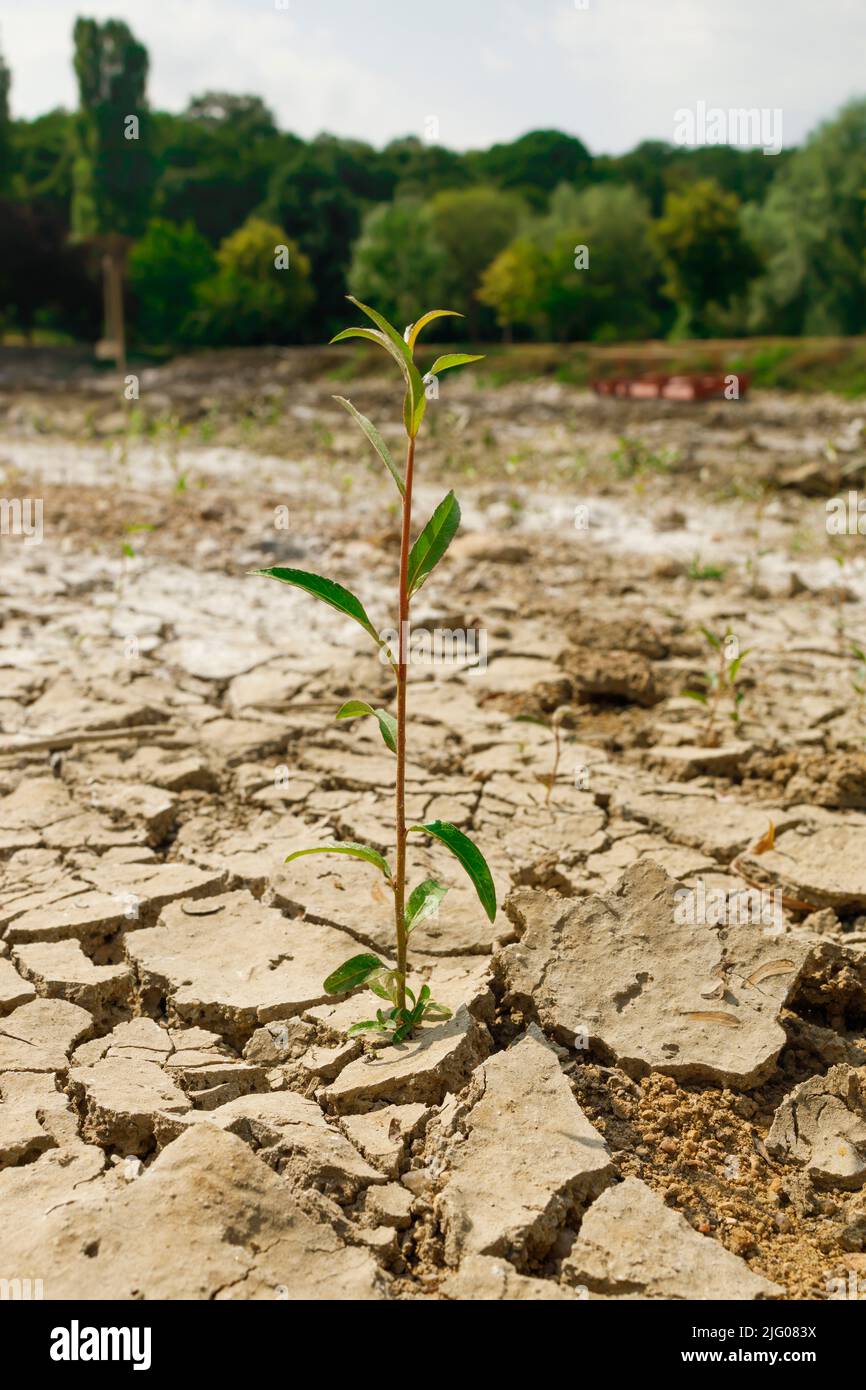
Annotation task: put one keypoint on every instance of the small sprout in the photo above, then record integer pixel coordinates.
(632, 458)
(554, 726)
(720, 683)
(700, 571)
(858, 679)
(386, 981)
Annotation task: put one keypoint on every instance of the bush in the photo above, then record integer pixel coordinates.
(166, 267)
(261, 292)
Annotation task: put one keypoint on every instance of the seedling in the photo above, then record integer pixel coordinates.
(554, 727)
(858, 679)
(128, 553)
(633, 459)
(720, 683)
(407, 1009)
(699, 571)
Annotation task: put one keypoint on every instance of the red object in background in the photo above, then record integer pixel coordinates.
(692, 386)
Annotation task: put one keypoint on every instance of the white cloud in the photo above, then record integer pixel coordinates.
(490, 69)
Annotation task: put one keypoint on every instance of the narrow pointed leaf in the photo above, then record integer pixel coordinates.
(376, 440)
(372, 856)
(355, 709)
(470, 857)
(711, 637)
(436, 1011)
(413, 411)
(415, 329)
(328, 591)
(453, 359)
(423, 902)
(371, 334)
(353, 972)
(384, 326)
(384, 984)
(433, 541)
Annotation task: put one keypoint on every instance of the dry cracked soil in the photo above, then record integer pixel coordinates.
(630, 1101)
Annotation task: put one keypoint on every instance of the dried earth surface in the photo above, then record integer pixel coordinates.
(630, 1101)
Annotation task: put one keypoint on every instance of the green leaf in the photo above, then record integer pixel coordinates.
(365, 1025)
(453, 359)
(470, 857)
(531, 719)
(384, 985)
(420, 1004)
(711, 637)
(695, 695)
(416, 402)
(433, 541)
(376, 440)
(372, 856)
(328, 591)
(436, 1011)
(353, 972)
(356, 709)
(415, 329)
(734, 668)
(423, 902)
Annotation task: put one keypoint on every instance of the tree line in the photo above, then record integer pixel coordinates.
(214, 227)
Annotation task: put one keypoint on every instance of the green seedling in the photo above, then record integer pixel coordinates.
(858, 680)
(406, 1007)
(128, 552)
(699, 571)
(633, 459)
(719, 683)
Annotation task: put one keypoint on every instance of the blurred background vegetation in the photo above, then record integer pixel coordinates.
(186, 215)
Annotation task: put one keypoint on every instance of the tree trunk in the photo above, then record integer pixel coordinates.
(114, 331)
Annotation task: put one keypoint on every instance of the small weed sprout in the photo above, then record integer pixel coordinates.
(128, 553)
(720, 683)
(701, 572)
(406, 1009)
(564, 714)
(858, 679)
(632, 458)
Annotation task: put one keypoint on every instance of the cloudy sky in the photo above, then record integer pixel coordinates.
(613, 72)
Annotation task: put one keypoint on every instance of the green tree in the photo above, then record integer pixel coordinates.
(602, 264)
(42, 156)
(217, 159)
(586, 269)
(166, 267)
(396, 259)
(514, 285)
(317, 196)
(812, 234)
(418, 170)
(533, 165)
(261, 291)
(472, 226)
(114, 169)
(704, 252)
(44, 279)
